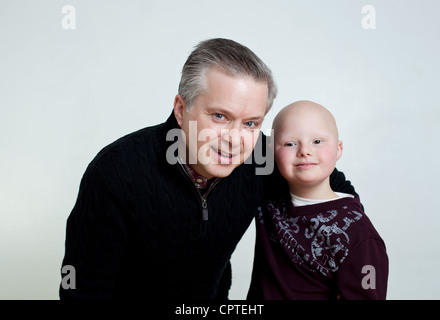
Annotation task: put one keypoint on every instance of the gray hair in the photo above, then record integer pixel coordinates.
(229, 56)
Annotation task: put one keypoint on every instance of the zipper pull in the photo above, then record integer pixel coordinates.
(204, 210)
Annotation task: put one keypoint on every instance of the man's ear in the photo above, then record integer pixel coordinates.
(340, 148)
(179, 109)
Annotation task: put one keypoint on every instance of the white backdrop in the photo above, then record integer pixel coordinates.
(66, 93)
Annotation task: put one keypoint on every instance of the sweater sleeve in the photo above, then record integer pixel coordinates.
(95, 237)
(364, 275)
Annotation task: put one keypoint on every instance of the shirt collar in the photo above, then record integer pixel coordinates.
(199, 181)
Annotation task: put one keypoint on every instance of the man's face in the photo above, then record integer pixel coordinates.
(223, 124)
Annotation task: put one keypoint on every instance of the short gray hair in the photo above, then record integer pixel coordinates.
(229, 56)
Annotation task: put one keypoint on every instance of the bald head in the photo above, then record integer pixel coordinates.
(303, 114)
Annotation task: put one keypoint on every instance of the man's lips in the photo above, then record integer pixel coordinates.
(224, 154)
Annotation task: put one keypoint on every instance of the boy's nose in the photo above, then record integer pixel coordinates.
(304, 151)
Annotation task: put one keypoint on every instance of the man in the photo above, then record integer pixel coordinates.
(160, 211)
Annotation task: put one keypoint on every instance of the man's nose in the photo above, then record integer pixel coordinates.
(232, 135)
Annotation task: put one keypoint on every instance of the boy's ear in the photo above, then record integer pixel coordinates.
(269, 142)
(179, 109)
(340, 148)
(270, 139)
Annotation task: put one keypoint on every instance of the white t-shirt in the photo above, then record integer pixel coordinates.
(298, 201)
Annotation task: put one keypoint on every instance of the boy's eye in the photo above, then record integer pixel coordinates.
(317, 141)
(290, 144)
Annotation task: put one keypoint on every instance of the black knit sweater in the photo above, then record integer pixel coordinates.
(136, 230)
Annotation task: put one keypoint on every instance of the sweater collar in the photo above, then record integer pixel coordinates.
(165, 137)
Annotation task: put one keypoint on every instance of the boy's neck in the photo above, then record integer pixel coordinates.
(322, 191)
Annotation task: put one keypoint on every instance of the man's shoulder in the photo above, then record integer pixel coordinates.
(151, 137)
(124, 144)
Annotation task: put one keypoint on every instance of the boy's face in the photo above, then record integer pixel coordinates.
(306, 147)
(223, 124)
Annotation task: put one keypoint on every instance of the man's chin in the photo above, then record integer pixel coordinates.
(220, 170)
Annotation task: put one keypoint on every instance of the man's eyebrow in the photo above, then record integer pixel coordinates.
(219, 109)
(229, 113)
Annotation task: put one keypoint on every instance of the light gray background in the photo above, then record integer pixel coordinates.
(65, 94)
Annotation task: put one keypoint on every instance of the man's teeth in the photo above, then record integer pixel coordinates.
(225, 154)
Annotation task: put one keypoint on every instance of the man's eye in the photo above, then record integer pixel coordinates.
(219, 116)
(250, 124)
(317, 141)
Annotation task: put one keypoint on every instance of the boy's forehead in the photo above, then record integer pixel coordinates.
(304, 117)
(299, 128)
(295, 120)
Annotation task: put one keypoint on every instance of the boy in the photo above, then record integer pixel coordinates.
(316, 244)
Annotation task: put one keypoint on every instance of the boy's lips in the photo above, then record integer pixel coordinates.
(305, 165)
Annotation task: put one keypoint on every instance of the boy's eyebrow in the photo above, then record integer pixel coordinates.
(287, 136)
